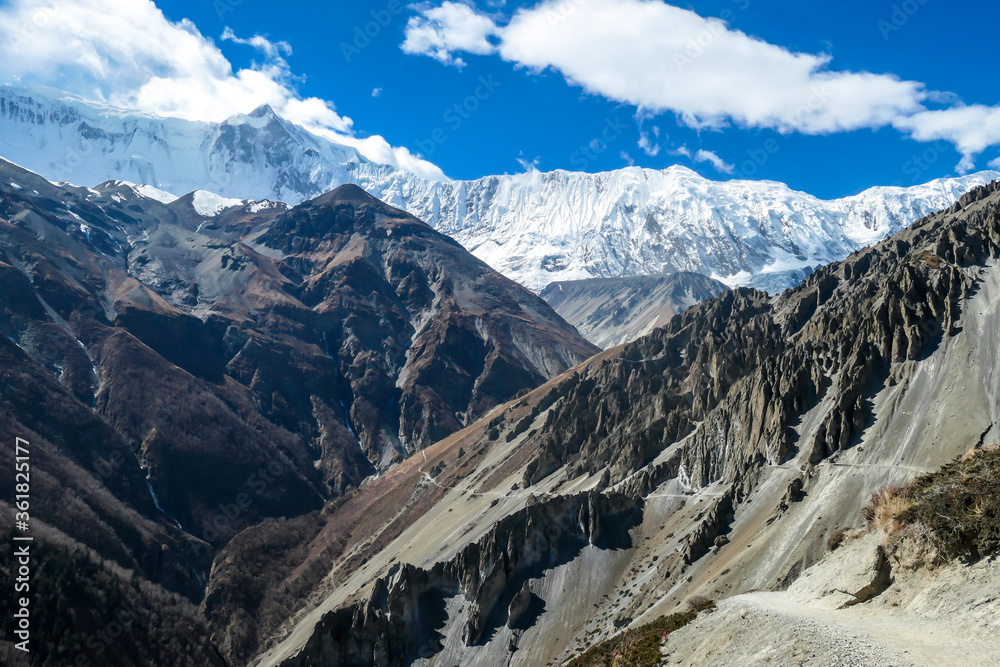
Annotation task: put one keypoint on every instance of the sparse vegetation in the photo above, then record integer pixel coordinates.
(959, 506)
(641, 647)
(836, 539)
(886, 506)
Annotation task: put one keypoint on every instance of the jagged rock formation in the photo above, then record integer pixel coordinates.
(738, 372)
(748, 429)
(396, 625)
(614, 311)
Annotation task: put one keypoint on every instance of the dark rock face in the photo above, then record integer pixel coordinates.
(426, 337)
(219, 362)
(399, 622)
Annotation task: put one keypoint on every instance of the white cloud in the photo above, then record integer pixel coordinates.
(379, 150)
(702, 156)
(972, 129)
(661, 58)
(995, 164)
(714, 160)
(628, 159)
(127, 53)
(376, 92)
(273, 50)
(649, 145)
(529, 166)
(440, 32)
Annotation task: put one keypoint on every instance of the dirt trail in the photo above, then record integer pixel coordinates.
(918, 640)
(774, 629)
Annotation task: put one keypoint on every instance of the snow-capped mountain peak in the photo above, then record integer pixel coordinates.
(536, 228)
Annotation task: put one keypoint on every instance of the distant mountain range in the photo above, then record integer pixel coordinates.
(534, 228)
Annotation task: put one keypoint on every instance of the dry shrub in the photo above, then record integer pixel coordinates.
(697, 603)
(961, 505)
(640, 647)
(836, 539)
(953, 513)
(886, 506)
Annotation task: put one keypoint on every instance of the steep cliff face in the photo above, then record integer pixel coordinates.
(399, 622)
(748, 430)
(559, 226)
(256, 155)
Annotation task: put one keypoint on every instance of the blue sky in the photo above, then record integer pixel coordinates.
(517, 114)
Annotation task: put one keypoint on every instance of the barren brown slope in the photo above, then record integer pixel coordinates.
(430, 337)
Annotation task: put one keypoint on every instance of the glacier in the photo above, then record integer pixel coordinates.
(535, 228)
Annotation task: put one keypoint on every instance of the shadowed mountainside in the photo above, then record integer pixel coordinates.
(186, 368)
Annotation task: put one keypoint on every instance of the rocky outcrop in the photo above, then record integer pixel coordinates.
(400, 620)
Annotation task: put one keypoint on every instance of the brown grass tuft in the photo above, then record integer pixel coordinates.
(836, 539)
(885, 508)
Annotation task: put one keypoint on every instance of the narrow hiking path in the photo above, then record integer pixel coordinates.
(775, 630)
(913, 639)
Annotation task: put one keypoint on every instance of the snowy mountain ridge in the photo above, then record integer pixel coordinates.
(534, 228)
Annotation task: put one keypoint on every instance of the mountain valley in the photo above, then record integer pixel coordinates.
(615, 311)
(731, 445)
(283, 412)
(185, 371)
